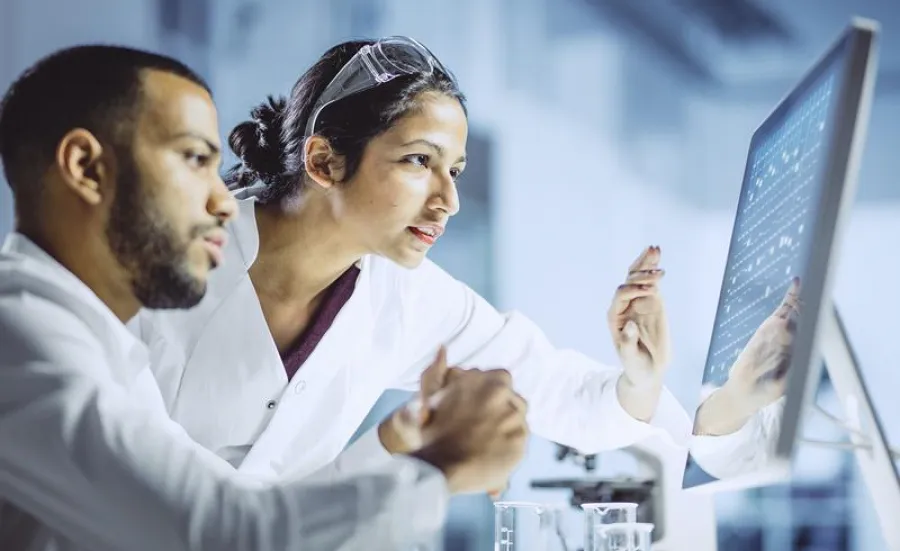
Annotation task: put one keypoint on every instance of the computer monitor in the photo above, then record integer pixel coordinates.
(764, 360)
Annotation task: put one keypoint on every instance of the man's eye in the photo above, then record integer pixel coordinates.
(196, 159)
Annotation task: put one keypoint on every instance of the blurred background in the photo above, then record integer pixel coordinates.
(597, 127)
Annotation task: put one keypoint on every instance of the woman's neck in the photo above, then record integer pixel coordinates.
(301, 253)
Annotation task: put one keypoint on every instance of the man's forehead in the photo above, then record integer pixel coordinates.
(162, 85)
(172, 104)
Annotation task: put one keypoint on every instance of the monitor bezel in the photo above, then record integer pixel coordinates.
(857, 44)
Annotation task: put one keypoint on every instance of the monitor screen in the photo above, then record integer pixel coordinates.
(772, 234)
(779, 222)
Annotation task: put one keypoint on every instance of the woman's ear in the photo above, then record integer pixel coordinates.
(324, 166)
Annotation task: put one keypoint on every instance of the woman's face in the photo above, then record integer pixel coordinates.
(404, 192)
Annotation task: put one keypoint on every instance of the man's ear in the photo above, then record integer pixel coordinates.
(324, 166)
(83, 167)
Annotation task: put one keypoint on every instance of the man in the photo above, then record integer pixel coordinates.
(112, 155)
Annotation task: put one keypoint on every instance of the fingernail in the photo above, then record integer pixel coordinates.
(630, 328)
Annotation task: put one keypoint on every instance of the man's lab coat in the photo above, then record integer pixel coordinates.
(89, 458)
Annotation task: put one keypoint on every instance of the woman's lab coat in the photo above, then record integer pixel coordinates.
(751, 449)
(224, 381)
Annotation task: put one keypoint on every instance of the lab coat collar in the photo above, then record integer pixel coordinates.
(87, 304)
(245, 231)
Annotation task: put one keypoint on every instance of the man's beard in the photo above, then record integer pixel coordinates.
(149, 249)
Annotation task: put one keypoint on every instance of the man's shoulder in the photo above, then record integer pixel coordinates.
(36, 306)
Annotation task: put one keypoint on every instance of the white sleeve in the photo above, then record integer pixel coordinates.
(747, 450)
(572, 399)
(363, 455)
(80, 456)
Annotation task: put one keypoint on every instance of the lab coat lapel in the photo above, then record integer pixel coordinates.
(319, 390)
(234, 360)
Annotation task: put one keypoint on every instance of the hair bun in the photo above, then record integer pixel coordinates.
(258, 142)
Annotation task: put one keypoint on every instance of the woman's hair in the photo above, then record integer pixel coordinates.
(270, 144)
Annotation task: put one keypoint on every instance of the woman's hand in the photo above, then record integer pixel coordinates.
(638, 324)
(640, 331)
(758, 377)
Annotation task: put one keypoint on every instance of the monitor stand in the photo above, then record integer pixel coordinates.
(873, 454)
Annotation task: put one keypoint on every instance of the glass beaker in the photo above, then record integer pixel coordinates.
(628, 536)
(527, 526)
(598, 514)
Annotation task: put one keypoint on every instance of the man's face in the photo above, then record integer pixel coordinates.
(165, 223)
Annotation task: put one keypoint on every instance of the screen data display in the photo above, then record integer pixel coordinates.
(772, 231)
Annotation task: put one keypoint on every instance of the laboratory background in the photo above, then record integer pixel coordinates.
(597, 127)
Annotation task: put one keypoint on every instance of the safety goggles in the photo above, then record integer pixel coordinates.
(374, 65)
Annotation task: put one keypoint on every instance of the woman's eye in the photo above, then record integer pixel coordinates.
(419, 160)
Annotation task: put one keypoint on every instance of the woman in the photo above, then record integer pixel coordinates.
(326, 297)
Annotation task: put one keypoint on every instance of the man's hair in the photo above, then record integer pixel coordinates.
(95, 87)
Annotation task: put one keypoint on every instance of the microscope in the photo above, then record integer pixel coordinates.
(644, 488)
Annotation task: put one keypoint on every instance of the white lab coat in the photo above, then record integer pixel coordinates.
(750, 449)
(224, 381)
(89, 458)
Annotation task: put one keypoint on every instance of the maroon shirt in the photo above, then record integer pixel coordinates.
(336, 296)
